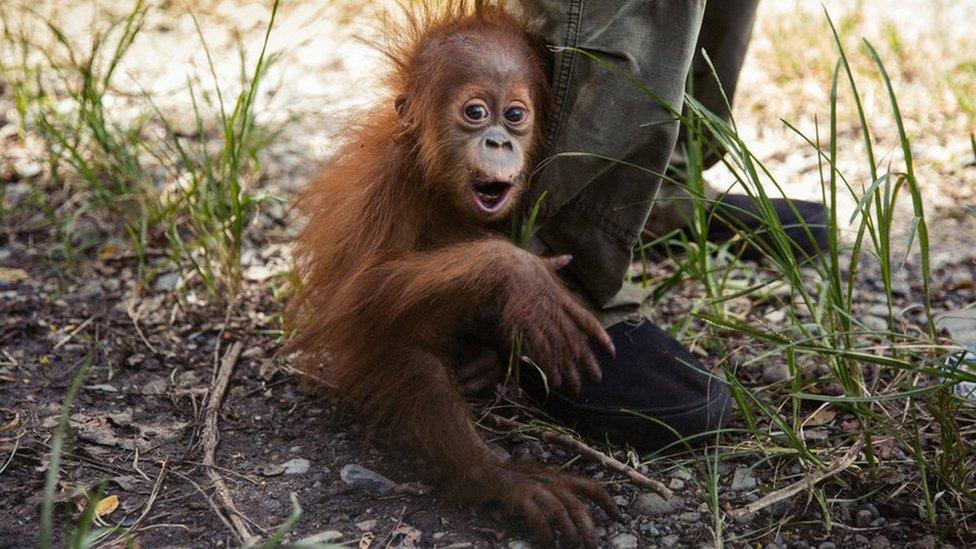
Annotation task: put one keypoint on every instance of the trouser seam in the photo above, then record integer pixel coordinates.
(566, 63)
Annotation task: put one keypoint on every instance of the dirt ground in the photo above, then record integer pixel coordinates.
(139, 418)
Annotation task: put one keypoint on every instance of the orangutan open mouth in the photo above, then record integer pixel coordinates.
(491, 195)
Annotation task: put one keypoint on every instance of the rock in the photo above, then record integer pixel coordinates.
(670, 541)
(961, 326)
(650, 529)
(780, 508)
(881, 310)
(742, 480)
(775, 372)
(360, 477)
(844, 512)
(961, 280)
(653, 505)
(624, 541)
(827, 545)
(690, 516)
(367, 525)
(900, 289)
(258, 273)
(27, 168)
(296, 466)
(519, 544)
(880, 542)
(682, 474)
(775, 316)
(928, 542)
(621, 501)
(863, 518)
(676, 484)
(875, 323)
(166, 282)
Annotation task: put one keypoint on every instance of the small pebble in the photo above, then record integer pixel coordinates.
(653, 505)
(650, 529)
(682, 474)
(880, 542)
(670, 541)
(776, 372)
(742, 480)
(296, 466)
(875, 323)
(863, 518)
(690, 516)
(361, 477)
(624, 541)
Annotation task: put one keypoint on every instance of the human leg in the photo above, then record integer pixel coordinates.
(719, 54)
(596, 204)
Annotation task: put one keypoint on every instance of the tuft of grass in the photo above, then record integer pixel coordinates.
(891, 383)
(217, 201)
(82, 535)
(186, 199)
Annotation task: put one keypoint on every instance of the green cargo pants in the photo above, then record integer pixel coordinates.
(595, 208)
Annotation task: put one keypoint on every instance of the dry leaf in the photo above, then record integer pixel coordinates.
(106, 506)
(108, 251)
(11, 424)
(405, 536)
(366, 540)
(822, 416)
(10, 275)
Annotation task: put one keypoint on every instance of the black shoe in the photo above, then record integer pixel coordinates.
(653, 376)
(735, 213)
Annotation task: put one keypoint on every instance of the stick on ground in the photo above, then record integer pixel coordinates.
(805, 484)
(211, 438)
(571, 443)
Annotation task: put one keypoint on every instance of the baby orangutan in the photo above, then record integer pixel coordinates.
(403, 278)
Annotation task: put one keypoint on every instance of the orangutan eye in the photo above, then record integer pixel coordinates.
(476, 112)
(515, 115)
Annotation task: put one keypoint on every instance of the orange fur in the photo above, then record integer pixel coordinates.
(393, 276)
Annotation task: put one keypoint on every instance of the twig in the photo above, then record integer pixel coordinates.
(120, 540)
(12, 452)
(134, 317)
(571, 443)
(210, 438)
(210, 501)
(806, 484)
(73, 333)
